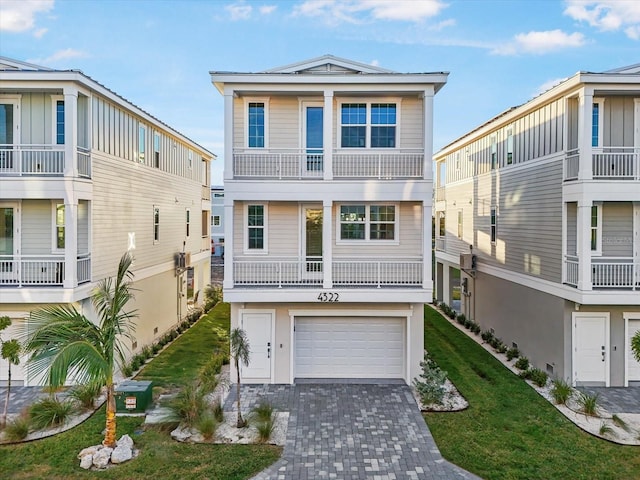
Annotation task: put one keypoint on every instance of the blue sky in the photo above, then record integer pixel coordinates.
(157, 54)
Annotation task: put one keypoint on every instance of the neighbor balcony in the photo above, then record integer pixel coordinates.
(607, 163)
(301, 164)
(41, 270)
(606, 272)
(41, 161)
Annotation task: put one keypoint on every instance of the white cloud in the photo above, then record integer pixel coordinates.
(607, 15)
(40, 32)
(540, 42)
(547, 85)
(239, 11)
(443, 24)
(58, 56)
(19, 15)
(359, 11)
(267, 9)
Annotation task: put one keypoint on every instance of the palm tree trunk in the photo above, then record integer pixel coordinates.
(110, 427)
(6, 400)
(240, 423)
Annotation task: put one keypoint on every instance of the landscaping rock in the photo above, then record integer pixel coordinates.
(125, 441)
(89, 451)
(101, 457)
(86, 461)
(121, 454)
(181, 434)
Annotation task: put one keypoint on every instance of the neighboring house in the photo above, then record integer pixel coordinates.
(217, 220)
(85, 176)
(328, 182)
(546, 196)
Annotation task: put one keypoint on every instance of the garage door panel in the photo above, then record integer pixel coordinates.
(349, 347)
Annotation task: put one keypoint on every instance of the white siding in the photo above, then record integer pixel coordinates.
(37, 234)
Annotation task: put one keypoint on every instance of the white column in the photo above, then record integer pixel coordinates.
(427, 267)
(446, 285)
(70, 242)
(70, 132)
(228, 245)
(585, 112)
(428, 134)
(327, 134)
(584, 245)
(327, 244)
(228, 135)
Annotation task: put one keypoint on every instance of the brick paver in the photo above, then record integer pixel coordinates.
(351, 431)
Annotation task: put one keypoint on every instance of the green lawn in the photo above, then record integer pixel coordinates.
(509, 431)
(160, 457)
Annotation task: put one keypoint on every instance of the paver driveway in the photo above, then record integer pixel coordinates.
(351, 431)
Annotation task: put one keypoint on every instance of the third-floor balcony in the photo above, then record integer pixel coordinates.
(300, 164)
(42, 161)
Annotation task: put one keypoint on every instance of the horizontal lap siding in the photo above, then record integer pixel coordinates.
(284, 127)
(83, 227)
(283, 228)
(462, 192)
(37, 236)
(617, 229)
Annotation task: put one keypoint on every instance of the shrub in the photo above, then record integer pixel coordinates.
(430, 385)
(212, 295)
(539, 377)
(452, 314)
(207, 425)
(522, 363)
(502, 348)
(605, 429)
(496, 343)
(147, 352)
(189, 405)
(18, 428)
(218, 411)
(512, 353)
(462, 319)
(620, 423)
(588, 403)
(85, 394)
(475, 328)
(487, 336)
(263, 417)
(50, 412)
(156, 348)
(561, 391)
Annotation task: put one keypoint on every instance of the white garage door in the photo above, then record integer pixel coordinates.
(349, 347)
(633, 368)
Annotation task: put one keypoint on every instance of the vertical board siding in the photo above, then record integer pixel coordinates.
(37, 225)
(411, 123)
(617, 121)
(239, 140)
(36, 119)
(617, 229)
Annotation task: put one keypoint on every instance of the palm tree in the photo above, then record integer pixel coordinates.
(240, 353)
(11, 353)
(635, 345)
(65, 342)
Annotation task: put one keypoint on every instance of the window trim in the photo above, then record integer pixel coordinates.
(460, 231)
(187, 220)
(600, 102)
(598, 229)
(265, 101)
(397, 101)
(54, 124)
(509, 156)
(367, 223)
(493, 224)
(156, 225)
(493, 151)
(142, 142)
(54, 230)
(213, 220)
(265, 227)
(157, 146)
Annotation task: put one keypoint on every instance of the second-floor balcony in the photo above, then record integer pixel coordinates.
(41, 270)
(606, 272)
(41, 161)
(607, 163)
(297, 164)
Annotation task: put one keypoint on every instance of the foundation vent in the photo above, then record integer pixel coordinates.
(550, 369)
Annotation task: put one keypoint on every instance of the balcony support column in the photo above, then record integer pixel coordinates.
(428, 137)
(228, 243)
(228, 136)
(70, 133)
(70, 243)
(584, 245)
(327, 244)
(427, 267)
(327, 134)
(585, 112)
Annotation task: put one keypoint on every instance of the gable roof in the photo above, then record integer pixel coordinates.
(11, 64)
(628, 69)
(327, 64)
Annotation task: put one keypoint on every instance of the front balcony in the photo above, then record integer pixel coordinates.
(297, 164)
(606, 273)
(41, 161)
(41, 270)
(607, 163)
(346, 273)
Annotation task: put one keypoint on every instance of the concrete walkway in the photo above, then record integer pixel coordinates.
(350, 431)
(616, 399)
(21, 397)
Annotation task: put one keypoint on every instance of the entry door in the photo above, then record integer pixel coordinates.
(9, 134)
(258, 327)
(633, 366)
(9, 267)
(313, 137)
(312, 241)
(591, 349)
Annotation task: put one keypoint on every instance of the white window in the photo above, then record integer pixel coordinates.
(216, 220)
(156, 149)
(460, 229)
(58, 119)
(494, 152)
(457, 160)
(366, 223)
(190, 159)
(142, 143)
(156, 224)
(188, 222)
(257, 123)
(596, 122)
(204, 224)
(596, 229)
(442, 232)
(494, 224)
(509, 146)
(368, 125)
(256, 228)
(58, 227)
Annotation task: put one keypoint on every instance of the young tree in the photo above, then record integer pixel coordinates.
(64, 341)
(11, 353)
(240, 353)
(635, 345)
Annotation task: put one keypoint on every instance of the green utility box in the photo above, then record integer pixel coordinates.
(133, 396)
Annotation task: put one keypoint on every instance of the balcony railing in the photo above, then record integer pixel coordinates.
(606, 272)
(346, 273)
(292, 164)
(40, 270)
(40, 160)
(280, 164)
(607, 163)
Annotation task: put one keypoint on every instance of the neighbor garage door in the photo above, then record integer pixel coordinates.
(349, 347)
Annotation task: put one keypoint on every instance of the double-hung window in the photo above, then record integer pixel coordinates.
(368, 223)
(256, 125)
(58, 228)
(596, 122)
(156, 149)
(494, 152)
(460, 224)
(494, 224)
(368, 125)
(188, 222)
(596, 229)
(57, 104)
(156, 224)
(142, 142)
(256, 226)
(509, 146)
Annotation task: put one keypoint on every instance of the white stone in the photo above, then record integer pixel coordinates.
(86, 461)
(102, 457)
(121, 454)
(89, 451)
(125, 441)
(181, 434)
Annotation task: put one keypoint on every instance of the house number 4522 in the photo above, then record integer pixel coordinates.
(328, 297)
